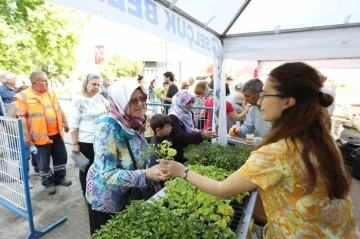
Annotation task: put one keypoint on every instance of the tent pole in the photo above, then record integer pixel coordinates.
(166, 54)
(187, 16)
(241, 10)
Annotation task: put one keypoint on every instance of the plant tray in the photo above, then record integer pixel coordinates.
(236, 219)
(239, 214)
(242, 205)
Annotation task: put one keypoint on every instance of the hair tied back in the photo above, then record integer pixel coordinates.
(325, 100)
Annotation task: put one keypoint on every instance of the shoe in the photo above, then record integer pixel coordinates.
(51, 190)
(64, 182)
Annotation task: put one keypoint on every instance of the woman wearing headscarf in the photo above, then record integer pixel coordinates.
(183, 130)
(119, 141)
(85, 109)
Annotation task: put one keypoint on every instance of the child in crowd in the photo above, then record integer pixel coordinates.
(160, 124)
(166, 87)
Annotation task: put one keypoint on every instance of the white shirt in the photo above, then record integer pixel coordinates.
(83, 114)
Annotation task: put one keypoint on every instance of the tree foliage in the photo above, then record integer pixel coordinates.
(37, 35)
(121, 67)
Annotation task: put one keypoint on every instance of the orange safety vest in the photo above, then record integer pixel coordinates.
(35, 118)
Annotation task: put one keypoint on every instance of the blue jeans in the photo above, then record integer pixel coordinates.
(58, 153)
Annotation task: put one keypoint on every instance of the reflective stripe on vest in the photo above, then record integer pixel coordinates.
(23, 95)
(51, 120)
(32, 117)
(37, 123)
(36, 115)
(47, 106)
(39, 135)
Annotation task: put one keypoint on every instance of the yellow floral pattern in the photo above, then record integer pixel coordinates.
(280, 173)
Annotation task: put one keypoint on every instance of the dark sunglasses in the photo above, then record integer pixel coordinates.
(142, 99)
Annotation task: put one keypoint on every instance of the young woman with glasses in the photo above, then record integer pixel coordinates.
(297, 168)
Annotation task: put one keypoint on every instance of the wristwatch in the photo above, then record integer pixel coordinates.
(185, 173)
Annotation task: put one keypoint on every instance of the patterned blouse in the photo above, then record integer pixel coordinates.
(111, 175)
(278, 170)
(83, 114)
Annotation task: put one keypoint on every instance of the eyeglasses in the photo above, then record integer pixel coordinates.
(262, 96)
(142, 99)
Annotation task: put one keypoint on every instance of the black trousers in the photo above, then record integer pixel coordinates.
(97, 219)
(87, 149)
(57, 151)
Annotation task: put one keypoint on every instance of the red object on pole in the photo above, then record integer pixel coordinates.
(99, 54)
(256, 73)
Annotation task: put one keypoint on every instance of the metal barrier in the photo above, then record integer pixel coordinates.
(157, 107)
(14, 184)
(163, 109)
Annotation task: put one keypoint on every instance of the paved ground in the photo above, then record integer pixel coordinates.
(69, 202)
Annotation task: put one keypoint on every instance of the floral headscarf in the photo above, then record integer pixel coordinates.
(178, 109)
(119, 99)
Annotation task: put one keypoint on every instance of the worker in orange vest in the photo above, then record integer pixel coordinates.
(44, 123)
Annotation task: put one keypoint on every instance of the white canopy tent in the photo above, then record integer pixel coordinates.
(242, 29)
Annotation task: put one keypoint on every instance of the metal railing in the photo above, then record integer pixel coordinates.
(14, 184)
(156, 106)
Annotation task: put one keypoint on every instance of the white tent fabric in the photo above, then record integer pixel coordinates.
(303, 45)
(262, 15)
(278, 29)
(260, 29)
(248, 29)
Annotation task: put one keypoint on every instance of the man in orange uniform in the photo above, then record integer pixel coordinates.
(43, 124)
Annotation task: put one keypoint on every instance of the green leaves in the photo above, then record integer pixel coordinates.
(159, 91)
(184, 211)
(163, 150)
(150, 220)
(228, 157)
(37, 35)
(121, 67)
(179, 194)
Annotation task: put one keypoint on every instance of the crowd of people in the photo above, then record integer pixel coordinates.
(297, 167)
